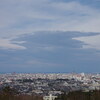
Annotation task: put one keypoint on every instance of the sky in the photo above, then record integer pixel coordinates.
(49, 36)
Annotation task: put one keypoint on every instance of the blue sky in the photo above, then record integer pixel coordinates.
(49, 36)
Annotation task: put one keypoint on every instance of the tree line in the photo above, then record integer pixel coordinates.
(80, 95)
(8, 93)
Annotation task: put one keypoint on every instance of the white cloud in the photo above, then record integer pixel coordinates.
(90, 42)
(19, 16)
(7, 44)
(26, 16)
(74, 7)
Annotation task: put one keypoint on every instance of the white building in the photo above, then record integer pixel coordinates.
(50, 97)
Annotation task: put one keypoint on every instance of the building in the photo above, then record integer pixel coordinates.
(50, 97)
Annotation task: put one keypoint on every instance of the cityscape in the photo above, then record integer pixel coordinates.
(46, 84)
(49, 49)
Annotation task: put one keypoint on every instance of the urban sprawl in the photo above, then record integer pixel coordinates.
(45, 84)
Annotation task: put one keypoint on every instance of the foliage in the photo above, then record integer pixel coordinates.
(8, 93)
(79, 95)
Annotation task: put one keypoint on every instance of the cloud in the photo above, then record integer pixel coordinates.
(22, 16)
(92, 42)
(8, 44)
(28, 16)
(50, 52)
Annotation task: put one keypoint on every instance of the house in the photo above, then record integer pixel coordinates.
(50, 97)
